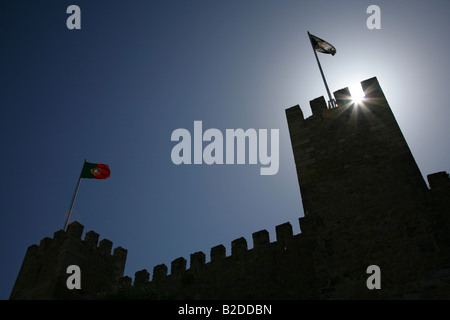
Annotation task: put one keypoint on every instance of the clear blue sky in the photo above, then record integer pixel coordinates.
(114, 91)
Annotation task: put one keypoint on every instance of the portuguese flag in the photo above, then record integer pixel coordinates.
(95, 171)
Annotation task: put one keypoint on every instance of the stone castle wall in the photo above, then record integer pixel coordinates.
(365, 203)
(270, 270)
(43, 272)
(364, 198)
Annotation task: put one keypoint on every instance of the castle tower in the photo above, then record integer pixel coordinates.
(43, 274)
(352, 154)
(363, 195)
(365, 203)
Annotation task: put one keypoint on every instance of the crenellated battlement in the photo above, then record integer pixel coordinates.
(350, 150)
(218, 253)
(201, 273)
(374, 103)
(365, 203)
(439, 181)
(49, 260)
(74, 234)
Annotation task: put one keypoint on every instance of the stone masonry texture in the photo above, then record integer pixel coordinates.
(365, 203)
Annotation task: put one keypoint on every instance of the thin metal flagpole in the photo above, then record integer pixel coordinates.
(331, 101)
(74, 196)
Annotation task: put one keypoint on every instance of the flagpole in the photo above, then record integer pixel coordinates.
(331, 101)
(73, 198)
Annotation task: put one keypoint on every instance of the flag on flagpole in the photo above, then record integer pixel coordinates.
(95, 171)
(89, 171)
(321, 45)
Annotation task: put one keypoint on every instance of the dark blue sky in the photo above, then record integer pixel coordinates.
(114, 91)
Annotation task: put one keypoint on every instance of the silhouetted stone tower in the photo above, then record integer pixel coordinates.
(364, 198)
(365, 203)
(43, 272)
(352, 154)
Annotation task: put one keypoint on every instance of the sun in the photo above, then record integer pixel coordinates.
(357, 93)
